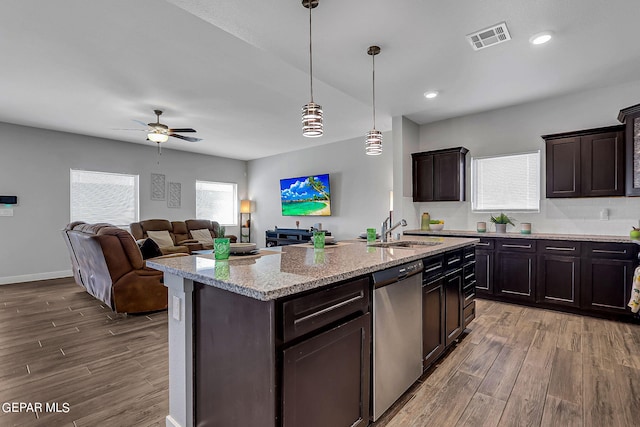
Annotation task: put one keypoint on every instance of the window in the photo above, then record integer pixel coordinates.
(506, 183)
(104, 197)
(217, 201)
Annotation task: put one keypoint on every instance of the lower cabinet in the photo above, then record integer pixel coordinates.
(516, 269)
(326, 378)
(559, 273)
(607, 275)
(485, 259)
(453, 299)
(433, 310)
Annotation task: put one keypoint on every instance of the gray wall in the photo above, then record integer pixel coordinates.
(35, 167)
(518, 129)
(360, 186)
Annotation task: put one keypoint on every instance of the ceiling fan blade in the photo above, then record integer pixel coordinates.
(186, 138)
(142, 123)
(182, 130)
(143, 130)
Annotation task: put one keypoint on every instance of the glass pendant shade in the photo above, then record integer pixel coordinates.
(312, 120)
(373, 146)
(157, 137)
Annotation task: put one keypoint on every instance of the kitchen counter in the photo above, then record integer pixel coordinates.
(287, 270)
(227, 322)
(517, 235)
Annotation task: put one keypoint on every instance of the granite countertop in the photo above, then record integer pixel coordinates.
(517, 235)
(288, 270)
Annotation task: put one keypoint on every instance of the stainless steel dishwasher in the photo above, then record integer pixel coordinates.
(397, 333)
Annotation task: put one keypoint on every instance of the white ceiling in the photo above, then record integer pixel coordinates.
(237, 71)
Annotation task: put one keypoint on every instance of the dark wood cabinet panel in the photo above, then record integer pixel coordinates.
(439, 175)
(605, 285)
(484, 271)
(587, 163)
(559, 280)
(516, 275)
(454, 316)
(563, 167)
(326, 378)
(433, 311)
(603, 164)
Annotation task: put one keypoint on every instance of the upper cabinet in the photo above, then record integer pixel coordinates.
(587, 163)
(439, 175)
(631, 117)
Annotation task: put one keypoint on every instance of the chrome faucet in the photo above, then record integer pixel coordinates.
(386, 232)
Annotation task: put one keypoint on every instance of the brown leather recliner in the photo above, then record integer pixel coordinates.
(212, 226)
(182, 243)
(107, 262)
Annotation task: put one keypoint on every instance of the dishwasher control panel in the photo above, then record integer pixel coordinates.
(394, 274)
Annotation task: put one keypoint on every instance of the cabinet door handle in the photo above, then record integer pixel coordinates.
(453, 261)
(470, 255)
(605, 251)
(483, 244)
(517, 246)
(554, 248)
(328, 309)
(434, 268)
(468, 276)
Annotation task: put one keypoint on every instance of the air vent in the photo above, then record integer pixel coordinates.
(489, 36)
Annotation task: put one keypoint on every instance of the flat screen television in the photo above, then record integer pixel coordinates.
(306, 195)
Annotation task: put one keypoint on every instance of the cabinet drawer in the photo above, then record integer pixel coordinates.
(610, 250)
(469, 313)
(313, 311)
(433, 267)
(453, 260)
(469, 274)
(560, 247)
(516, 245)
(469, 255)
(486, 244)
(469, 294)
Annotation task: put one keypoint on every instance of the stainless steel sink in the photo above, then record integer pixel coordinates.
(413, 244)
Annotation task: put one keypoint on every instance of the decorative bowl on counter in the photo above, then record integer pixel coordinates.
(241, 248)
(436, 227)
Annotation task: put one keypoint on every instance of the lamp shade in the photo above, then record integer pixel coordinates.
(245, 206)
(157, 137)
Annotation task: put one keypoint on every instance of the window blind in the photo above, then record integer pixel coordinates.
(217, 201)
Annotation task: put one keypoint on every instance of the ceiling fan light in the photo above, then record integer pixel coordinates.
(157, 137)
(312, 120)
(373, 146)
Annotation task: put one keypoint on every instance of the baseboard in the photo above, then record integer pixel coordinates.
(34, 277)
(171, 422)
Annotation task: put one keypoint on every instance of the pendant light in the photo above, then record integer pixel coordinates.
(311, 112)
(373, 146)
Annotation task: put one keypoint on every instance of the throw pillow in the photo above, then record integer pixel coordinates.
(150, 249)
(162, 238)
(203, 236)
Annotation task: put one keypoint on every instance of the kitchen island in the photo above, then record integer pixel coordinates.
(238, 331)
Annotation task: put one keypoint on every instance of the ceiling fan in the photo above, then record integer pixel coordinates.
(159, 132)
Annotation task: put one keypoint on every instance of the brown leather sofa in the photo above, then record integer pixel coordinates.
(180, 232)
(182, 242)
(212, 226)
(107, 262)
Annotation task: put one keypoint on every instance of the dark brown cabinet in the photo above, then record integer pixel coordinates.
(485, 256)
(439, 175)
(559, 273)
(588, 163)
(433, 310)
(606, 279)
(516, 269)
(631, 117)
(326, 378)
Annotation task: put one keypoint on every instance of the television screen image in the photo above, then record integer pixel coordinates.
(306, 195)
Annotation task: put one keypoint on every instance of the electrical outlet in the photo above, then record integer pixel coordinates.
(604, 215)
(6, 212)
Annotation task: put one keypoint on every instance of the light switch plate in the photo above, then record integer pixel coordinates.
(6, 212)
(176, 308)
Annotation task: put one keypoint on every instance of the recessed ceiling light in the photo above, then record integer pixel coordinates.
(541, 38)
(431, 94)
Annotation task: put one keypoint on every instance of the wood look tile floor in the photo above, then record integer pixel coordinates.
(515, 366)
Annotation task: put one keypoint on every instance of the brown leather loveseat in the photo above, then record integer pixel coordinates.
(178, 235)
(107, 262)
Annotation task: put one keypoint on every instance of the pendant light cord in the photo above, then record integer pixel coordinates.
(310, 52)
(373, 58)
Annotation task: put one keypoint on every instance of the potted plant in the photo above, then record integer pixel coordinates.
(501, 222)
